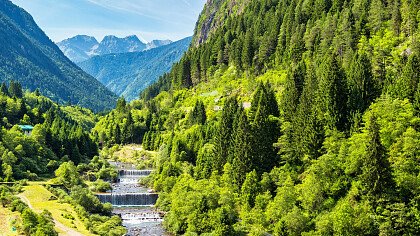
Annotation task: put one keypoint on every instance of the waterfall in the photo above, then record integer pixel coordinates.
(135, 172)
(133, 202)
(129, 199)
(125, 180)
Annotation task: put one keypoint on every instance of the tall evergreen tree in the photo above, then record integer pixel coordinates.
(117, 134)
(248, 50)
(121, 104)
(129, 129)
(362, 87)
(265, 130)
(198, 114)
(242, 148)
(293, 90)
(375, 174)
(3, 89)
(15, 89)
(407, 84)
(332, 94)
(224, 136)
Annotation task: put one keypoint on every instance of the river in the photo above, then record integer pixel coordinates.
(134, 203)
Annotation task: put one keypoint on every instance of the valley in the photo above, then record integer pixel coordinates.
(277, 117)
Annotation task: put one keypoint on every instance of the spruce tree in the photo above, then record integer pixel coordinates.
(332, 94)
(265, 130)
(407, 84)
(375, 174)
(376, 15)
(362, 86)
(248, 50)
(242, 148)
(129, 129)
(224, 136)
(396, 18)
(292, 91)
(117, 134)
(306, 132)
(121, 104)
(3, 89)
(12, 89)
(198, 114)
(250, 189)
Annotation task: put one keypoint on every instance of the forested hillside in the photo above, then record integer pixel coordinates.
(287, 117)
(57, 137)
(60, 151)
(27, 55)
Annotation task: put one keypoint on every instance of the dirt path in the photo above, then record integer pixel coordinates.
(65, 231)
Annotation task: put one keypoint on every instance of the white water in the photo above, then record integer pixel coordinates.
(133, 202)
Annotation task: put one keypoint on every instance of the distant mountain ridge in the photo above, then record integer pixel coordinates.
(27, 55)
(128, 74)
(82, 47)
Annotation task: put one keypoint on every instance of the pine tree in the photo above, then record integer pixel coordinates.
(396, 17)
(224, 136)
(204, 162)
(129, 129)
(248, 50)
(198, 115)
(121, 104)
(185, 73)
(242, 148)
(250, 189)
(332, 94)
(375, 174)
(22, 109)
(145, 141)
(407, 84)
(117, 134)
(362, 87)
(306, 133)
(376, 15)
(292, 91)
(265, 130)
(3, 89)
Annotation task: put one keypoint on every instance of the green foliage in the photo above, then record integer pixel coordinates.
(32, 223)
(67, 175)
(121, 126)
(311, 120)
(33, 60)
(56, 135)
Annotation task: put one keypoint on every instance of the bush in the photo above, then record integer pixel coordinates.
(100, 186)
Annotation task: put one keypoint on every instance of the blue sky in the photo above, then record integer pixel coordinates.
(148, 19)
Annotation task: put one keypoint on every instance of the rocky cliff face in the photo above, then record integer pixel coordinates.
(215, 12)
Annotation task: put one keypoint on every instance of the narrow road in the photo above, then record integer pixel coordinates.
(65, 231)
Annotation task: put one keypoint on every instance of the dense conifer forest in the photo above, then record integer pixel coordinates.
(287, 117)
(284, 117)
(58, 148)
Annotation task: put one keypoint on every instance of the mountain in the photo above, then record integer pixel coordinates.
(157, 43)
(27, 55)
(128, 74)
(78, 48)
(82, 47)
(112, 44)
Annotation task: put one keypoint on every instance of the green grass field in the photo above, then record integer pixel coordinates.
(6, 221)
(134, 153)
(39, 199)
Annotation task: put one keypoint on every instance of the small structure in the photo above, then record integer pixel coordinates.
(27, 129)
